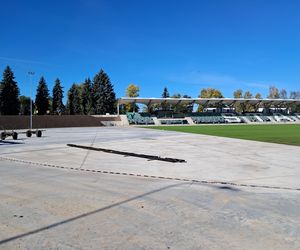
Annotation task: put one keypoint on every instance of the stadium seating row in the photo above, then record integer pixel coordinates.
(208, 118)
(138, 119)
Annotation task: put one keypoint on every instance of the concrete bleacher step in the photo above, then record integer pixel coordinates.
(258, 118)
(288, 118)
(124, 120)
(272, 118)
(189, 120)
(245, 119)
(156, 121)
(296, 118)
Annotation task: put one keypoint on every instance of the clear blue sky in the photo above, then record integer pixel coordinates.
(183, 45)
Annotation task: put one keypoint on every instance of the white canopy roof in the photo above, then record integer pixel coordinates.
(205, 101)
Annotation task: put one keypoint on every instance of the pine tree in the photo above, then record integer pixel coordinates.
(42, 97)
(70, 107)
(24, 105)
(165, 94)
(86, 97)
(110, 97)
(58, 95)
(74, 100)
(98, 93)
(9, 94)
(104, 97)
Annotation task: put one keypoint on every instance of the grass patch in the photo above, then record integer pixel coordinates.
(283, 134)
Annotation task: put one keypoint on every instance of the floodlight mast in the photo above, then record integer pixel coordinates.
(30, 73)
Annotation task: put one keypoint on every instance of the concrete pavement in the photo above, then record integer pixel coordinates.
(46, 207)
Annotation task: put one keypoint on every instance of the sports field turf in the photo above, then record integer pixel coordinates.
(284, 134)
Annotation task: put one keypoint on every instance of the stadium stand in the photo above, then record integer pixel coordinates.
(173, 121)
(282, 118)
(297, 116)
(253, 118)
(139, 119)
(208, 119)
(215, 111)
(265, 118)
(232, 118)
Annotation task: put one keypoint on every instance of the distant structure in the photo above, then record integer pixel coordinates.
(214, 110)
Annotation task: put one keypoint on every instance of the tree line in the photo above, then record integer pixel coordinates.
(95, 96)
(274, 93)
(133, 91)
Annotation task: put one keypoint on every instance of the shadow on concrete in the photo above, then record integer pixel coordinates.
(89, 213)
(229, 188)
(2, 142)
(33, 150)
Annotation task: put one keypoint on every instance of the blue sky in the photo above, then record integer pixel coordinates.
(183, 45)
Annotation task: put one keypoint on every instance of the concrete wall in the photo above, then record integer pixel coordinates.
(51, 121)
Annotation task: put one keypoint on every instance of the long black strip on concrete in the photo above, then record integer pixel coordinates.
(111, 151)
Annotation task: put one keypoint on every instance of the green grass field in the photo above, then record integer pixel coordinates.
(284, 134)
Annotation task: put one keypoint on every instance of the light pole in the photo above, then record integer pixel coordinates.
(30, 73)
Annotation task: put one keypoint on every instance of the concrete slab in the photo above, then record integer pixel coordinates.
(76, 207)
(208, 158)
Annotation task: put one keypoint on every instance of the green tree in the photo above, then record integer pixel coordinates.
(73, 104)
(182, 107)
(295, 95)
(104, 97)
(165, 94)
(132, 91)
(238, 106)
(238, 93)
(24, 105)
(57, 98)
(87, 97)
(175, 107)
(258, 96)
(247, 106)
(209, 93)
(42, 97)
(76, 101)
(9, 94)
(295, 107)
(283, 94)
(248, 95)
(273, 92)
(70, 102)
